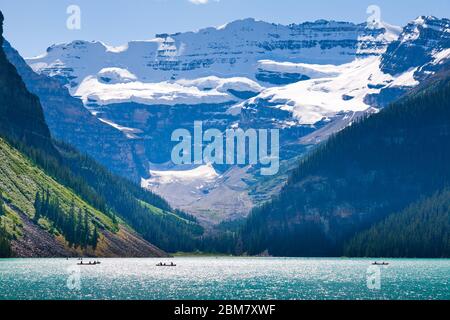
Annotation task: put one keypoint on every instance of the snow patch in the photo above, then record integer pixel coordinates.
(114, 85)
(200, 176)
(239, 84)
(406, 79)
(312, 71)
(321, 99)
(130, 133)
(115, 75)
(163, 93)
(441, 56)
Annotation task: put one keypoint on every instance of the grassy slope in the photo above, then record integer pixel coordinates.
(19, 182)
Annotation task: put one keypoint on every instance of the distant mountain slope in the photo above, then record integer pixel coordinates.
(422, 230)
(71, 122)
(371, 169)
(21, 117)
(423, 43)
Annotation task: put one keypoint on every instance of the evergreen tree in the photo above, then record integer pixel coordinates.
(2, 205)
(420, 231)
(37, 207)
(5, 245)
(86, 230)
(95, 238)
(73, 225)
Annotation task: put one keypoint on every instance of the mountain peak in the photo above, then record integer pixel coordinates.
(77, 44)
(421, 20)
(426, 26)
(1, 28)
(241, 23)
(418, 45)
(430, 22)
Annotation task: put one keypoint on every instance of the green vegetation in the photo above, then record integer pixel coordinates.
(23, 184)
(74, 225)
(147, 213)
(2, 204)
(5, 245)
(421, 231)
(91, 187)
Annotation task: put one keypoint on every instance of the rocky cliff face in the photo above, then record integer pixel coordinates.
(423, 43)
(422, 49)
(21, 116)
(71, 122)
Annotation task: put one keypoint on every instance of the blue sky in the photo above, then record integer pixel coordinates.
(32, 26)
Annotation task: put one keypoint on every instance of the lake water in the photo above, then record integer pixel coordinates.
(224, 278)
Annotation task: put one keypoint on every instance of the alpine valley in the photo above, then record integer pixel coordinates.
(363, 114)
(309, 80)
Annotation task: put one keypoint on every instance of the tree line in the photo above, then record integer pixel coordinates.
(5, 244)
(420, 231)
(74, 225)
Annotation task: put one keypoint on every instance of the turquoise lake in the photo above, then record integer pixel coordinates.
(224, 278)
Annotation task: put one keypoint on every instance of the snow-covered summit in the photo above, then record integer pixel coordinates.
(418, 44)
(230, 51)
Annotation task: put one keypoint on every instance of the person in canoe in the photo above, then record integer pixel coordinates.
(380, 264)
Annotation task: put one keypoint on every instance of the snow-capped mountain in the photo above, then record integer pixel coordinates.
(309, 80)
(219, 69)
(229, 51)
(424, 44)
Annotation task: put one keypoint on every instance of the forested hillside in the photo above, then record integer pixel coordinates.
(61, 222)
(370, 170)
(422, 230)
